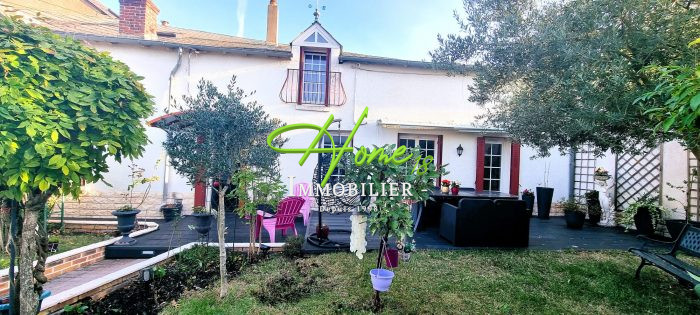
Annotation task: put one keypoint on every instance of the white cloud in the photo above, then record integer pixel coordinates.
(240, 16)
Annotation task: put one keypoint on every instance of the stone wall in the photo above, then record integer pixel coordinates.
(100, 204)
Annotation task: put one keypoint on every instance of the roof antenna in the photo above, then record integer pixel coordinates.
(317, 14)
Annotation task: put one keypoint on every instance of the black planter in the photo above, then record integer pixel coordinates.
(544, 201)
(202, 223)
(643, 222)
(675, 227)
(529, 202)
(170, 213)
(594, 208)
(575, 219)
(125, 223)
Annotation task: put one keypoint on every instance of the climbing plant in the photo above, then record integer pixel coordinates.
(65, 109)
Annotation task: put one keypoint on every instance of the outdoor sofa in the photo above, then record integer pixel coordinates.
(486, 223)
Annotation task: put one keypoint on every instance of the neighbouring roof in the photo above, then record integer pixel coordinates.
(91, 20)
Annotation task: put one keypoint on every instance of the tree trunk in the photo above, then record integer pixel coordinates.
(221, 233)
(31, 279)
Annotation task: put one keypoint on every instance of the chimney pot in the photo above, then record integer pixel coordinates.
(165, 23)
(272, 19)
(138, 18)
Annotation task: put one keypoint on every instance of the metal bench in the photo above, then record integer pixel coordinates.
(688, 242)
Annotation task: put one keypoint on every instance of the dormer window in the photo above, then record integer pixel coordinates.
(314, 78)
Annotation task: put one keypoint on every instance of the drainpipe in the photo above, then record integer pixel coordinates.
(166, 168)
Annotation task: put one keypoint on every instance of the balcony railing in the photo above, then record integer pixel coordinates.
(316, 88)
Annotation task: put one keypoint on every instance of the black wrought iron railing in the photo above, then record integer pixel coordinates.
(313, 87)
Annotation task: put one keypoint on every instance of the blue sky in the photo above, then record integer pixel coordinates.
(404, 29)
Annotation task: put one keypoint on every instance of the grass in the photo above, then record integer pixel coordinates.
(470, 281)
(67, 242)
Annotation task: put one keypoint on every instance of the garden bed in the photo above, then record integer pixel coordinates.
(475, 281)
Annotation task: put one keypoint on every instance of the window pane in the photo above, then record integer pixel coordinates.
(488, 149)
(496, 161)
(495, 173)
(496, 149)
(487, 185)
(495, 185)
(402, 142)
(487, 161)
(431, 144)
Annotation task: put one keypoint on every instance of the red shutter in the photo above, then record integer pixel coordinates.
(301, 74)
(200, 194)
(514, 168)
(480, 151)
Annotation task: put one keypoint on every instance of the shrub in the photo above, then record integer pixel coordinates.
(289, 284)
(292, 249)
(626, 217)
(570, 205)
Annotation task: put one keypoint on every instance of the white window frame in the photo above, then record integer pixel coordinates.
(314, 78)
(337, 173)
(488, 168)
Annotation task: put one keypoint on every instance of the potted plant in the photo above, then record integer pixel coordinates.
(455, 188)
(544, 196)
(170, 211)
(601, 174)
(53, 243)
(445, 186)
(126, 215)
(529, 197)
(574, 214)
(202, 221)
(645, 214)
(593, 205)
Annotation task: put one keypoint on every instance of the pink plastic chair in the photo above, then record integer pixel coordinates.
(287, 211)
(306, 208)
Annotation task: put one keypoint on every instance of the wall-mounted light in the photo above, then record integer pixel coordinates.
(460, 150)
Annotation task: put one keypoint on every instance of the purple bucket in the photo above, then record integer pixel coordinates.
(381, 279)
(391, 257)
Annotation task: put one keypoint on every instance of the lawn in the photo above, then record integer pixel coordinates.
(471, 281)
(68, 241)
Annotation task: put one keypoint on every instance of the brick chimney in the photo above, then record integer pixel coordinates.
(272, 22)
(138, 18)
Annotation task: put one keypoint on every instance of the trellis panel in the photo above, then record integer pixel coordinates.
(638, 175)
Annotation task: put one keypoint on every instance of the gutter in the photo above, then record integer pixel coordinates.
(387, 61)
(154, 43)
(166, 168)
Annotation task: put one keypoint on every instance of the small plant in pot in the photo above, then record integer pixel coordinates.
(574, 214)
(455, 188)
(126, 215)
(529, 197)
(595, 211)
(202, 219)
(53, 243)
(445, 186)
(601, 174)
(645, 214)
(170, 211)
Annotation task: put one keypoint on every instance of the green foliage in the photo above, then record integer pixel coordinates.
(674, 105)
(290, 284)
(626, 217)
(577, 62)
(571, 205)
(292, 247)
(199, 209)
(64, 110)
(219, 133)
(136, 179)
(77, 308)
(255, 187)
(593, 202)
(391, 215)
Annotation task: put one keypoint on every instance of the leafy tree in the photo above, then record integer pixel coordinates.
(391, 215)
(217, 135)
(575, 64)
(674, 105)
(65, 109)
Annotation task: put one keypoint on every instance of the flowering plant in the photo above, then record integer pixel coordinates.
(528, 192)
(601, 172)
(455, 184)
(445, 182)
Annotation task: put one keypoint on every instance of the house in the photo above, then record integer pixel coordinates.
(302, 80)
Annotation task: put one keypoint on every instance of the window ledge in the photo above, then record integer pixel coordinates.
(313, 108)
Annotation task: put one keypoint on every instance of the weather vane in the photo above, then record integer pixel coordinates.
(317, 14)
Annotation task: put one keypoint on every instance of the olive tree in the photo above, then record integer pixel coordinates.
(576, 64)
(218, 134)
(65, 109)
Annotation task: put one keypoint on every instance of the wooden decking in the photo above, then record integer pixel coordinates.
(549, 234)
